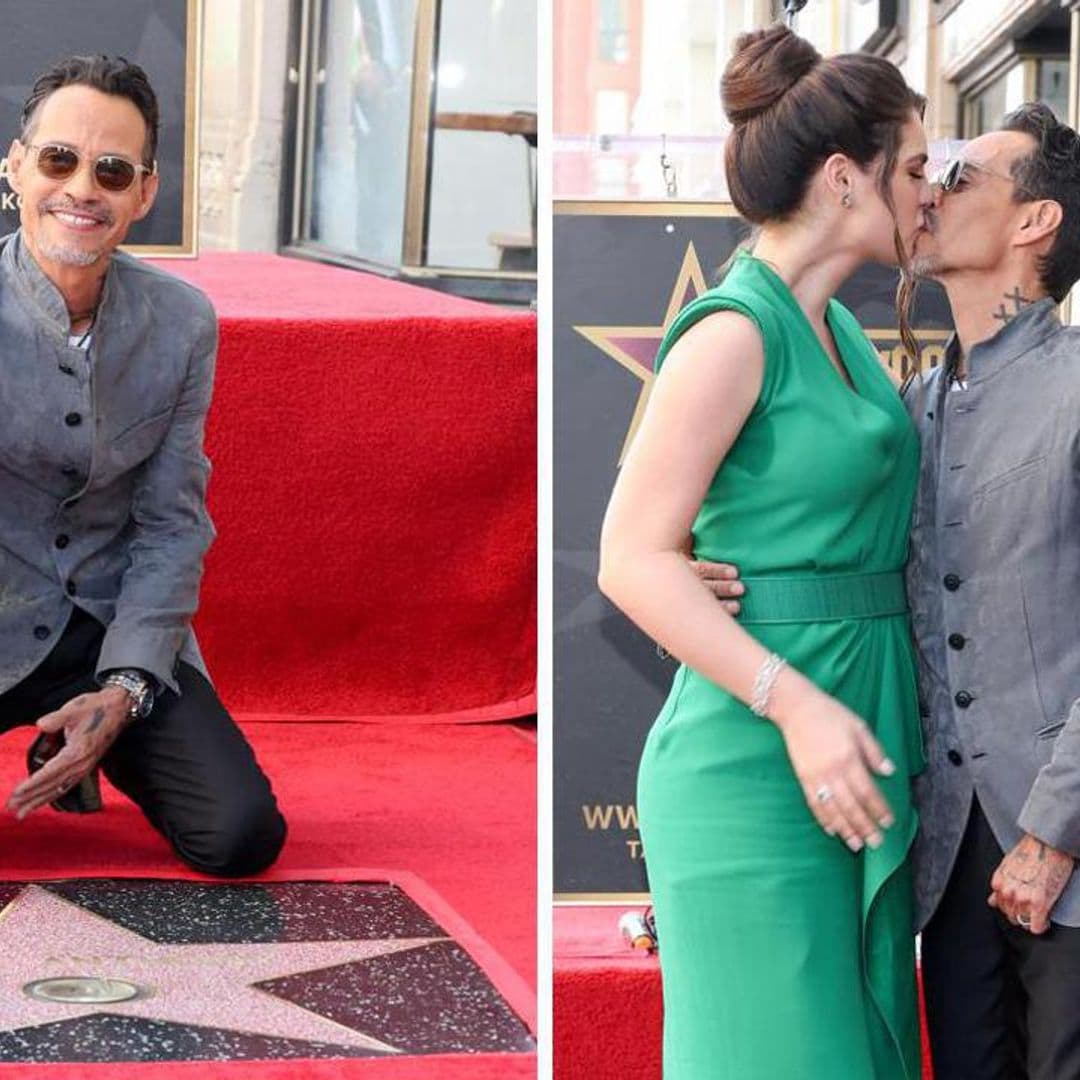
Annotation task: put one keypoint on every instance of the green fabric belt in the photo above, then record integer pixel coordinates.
(823, 598)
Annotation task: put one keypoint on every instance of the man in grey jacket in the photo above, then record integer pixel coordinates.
(993, 576)
(108, 370)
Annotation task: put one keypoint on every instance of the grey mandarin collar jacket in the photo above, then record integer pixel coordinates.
(994, 586)
(102, 471)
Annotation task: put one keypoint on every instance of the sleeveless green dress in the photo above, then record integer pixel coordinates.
(784, 956)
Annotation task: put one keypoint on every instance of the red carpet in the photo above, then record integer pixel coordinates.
(607, 1002)
(374, 492)
(453, 806)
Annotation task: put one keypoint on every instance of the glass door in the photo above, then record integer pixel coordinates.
(416, 140)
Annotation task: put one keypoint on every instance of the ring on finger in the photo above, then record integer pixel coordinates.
(1024, 921)
(823, 793)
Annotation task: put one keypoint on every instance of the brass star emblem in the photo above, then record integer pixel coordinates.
(635, 347)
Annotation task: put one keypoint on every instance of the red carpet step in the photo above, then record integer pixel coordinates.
(374, 492)
(607, 1001)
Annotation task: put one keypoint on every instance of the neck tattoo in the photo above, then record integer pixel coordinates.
(1015, 301)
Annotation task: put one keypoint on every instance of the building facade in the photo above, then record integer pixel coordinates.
(643, 120)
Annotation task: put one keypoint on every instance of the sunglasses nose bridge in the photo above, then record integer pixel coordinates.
(82, 179)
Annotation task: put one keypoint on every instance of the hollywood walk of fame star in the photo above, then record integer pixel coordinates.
(635, 347)
(44, 936)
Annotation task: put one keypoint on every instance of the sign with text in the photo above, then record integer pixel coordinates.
(624, 270)
(162, 37)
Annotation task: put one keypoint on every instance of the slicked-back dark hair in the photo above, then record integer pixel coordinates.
(1051, 171)
(109, 74)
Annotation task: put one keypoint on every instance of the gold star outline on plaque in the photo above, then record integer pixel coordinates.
(635, 347)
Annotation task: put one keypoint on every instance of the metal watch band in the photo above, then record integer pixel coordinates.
(138, 690)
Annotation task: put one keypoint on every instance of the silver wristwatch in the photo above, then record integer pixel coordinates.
(139, 690)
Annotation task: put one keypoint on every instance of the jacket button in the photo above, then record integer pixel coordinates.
(73, 419)
(67, 369)
(963, 699)
(952, 582)
(62, 541)
(70, 586)
(41, 632)
(955, 757)
(957, 641)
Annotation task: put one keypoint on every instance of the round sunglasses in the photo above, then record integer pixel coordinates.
(111, 172)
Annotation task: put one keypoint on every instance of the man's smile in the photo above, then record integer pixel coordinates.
(77, 219)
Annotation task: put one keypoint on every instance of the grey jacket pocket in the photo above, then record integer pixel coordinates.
(1010, 476)
(1050, 730)
(135, 444)
(141, 425)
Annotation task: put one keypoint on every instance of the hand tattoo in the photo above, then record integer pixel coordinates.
(1059, 878)
(96, 720)
(1024, 857)
(1018, 302)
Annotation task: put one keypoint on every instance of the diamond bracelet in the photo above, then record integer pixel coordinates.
(764, 682)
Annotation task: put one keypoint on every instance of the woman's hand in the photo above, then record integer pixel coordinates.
(835, 755)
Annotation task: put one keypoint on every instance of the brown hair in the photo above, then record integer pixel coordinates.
(791, 109)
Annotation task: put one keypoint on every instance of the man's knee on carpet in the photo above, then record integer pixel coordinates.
(242, 838)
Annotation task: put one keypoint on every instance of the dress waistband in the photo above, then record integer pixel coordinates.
(822, 598)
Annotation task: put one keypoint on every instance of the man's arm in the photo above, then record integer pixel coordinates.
(1032, 877)
(1052, 810)
(159, 592)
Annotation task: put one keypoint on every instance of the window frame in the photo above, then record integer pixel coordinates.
(499, 286)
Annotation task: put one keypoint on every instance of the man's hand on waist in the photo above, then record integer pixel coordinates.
(90, 723)
(1028, 883)
(721, 579)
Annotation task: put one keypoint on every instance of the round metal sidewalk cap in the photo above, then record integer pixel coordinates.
(81, 990)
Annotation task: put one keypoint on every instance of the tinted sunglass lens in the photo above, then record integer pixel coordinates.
(57, 162)
(114, 174)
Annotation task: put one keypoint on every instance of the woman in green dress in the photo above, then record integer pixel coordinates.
(774, 787)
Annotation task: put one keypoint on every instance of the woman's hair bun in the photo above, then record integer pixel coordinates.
(764, 66)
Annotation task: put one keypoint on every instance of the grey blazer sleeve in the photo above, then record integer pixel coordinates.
(159, 592)
(1052, 810)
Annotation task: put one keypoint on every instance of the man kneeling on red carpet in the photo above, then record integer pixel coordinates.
(107, 376)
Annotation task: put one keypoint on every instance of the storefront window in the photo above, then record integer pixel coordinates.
(1045, 80)
(614, 30)
(417, 123)
(988, 108)
(482, 202)
(359, 138)
(1052, 86)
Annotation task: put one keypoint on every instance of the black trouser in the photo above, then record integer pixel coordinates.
(186, 766)
(1001, 1003)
